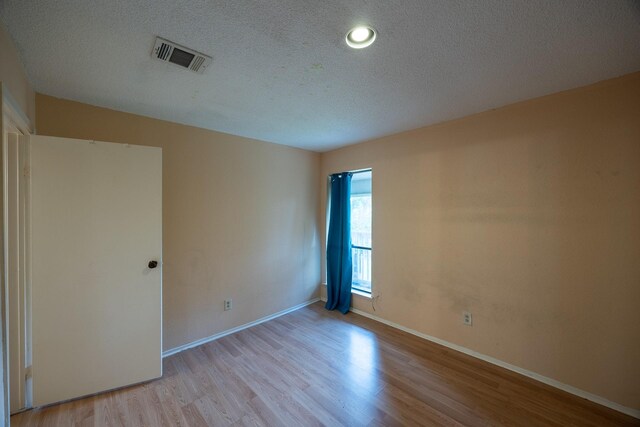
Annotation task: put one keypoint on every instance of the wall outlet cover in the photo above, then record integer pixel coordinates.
(467, 318)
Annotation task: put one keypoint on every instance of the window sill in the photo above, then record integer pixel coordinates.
(356, 292)
(361, 293)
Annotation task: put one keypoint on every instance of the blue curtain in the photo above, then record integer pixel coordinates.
(339, 273)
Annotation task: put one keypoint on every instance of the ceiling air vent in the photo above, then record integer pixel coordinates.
(167, 51)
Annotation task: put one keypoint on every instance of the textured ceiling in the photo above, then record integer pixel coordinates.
(281, 71)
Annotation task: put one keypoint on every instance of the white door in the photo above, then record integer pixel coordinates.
(96, 225)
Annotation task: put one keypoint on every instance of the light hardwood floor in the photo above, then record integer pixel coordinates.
(314, 367)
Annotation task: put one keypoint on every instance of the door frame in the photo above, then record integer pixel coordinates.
(13, 124)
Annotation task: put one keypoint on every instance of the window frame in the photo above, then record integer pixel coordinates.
(355, 285)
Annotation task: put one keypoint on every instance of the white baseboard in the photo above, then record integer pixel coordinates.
(236, 329)
(549, 381)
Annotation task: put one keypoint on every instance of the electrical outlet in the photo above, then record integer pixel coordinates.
(228, 304)
(467, 319)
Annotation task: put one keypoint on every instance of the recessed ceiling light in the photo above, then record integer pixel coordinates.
(360, 37)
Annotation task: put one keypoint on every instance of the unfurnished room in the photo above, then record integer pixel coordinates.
(320, 213)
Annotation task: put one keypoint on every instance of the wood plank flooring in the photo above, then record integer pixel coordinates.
(313, 367)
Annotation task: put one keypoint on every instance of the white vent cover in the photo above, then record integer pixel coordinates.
(167, 51)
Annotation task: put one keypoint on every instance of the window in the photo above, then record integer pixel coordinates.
(361, 230)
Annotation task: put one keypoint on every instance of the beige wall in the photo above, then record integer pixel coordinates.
(529, 217)
(239, 217)
(12, 75)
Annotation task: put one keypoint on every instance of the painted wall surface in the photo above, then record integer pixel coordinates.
(529, 217)
(239, 217)
(13, 75)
